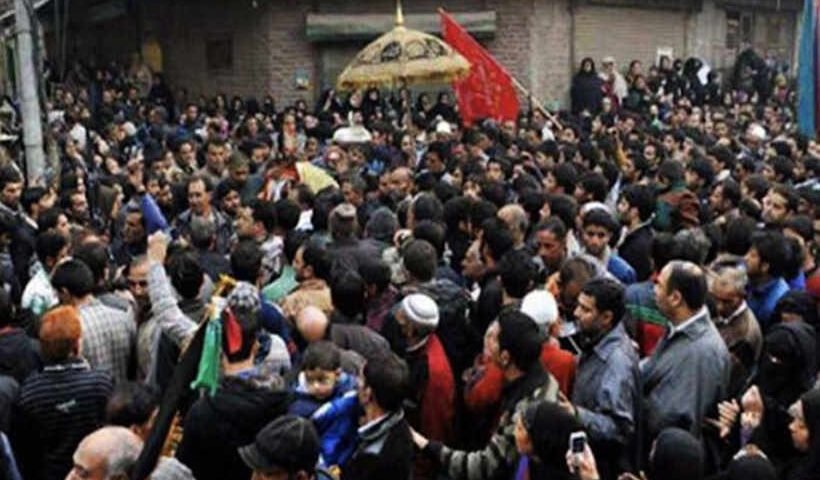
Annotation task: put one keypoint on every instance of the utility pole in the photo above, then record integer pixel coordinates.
(27, 80)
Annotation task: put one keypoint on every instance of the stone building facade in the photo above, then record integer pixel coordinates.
(293, 49)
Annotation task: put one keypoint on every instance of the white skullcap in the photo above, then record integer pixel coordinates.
(444, 127)
(757, 131)
(420, 309)
(540, 305)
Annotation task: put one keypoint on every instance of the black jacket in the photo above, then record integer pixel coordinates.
(385, 451)
(216, 426)
(56, 409)
(636, 248)
(19, 354)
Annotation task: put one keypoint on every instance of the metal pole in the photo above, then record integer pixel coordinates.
(27, 79)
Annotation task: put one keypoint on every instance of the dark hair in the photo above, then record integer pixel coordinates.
(566, 175)
(517, 272)
(323, 355)
(347, 293)
(31, 196)
(662, 250)
(49, 245)
(420, 259)
(457, 210)
(246, 261)
(794, 259)
(688, 279)
(757, 184)
(553, 225)
(497, 238)
(600, 218)
(671, 170)
(186, 273)
(608, 295)
(433, 232)
(787, 192)
(495, 192)
(293, 240)
(641, 197)
(388, 378)
(209, 186)
(738, 237)
(595, 184)
(287, 214)
(519, 336)
(771, 247)
(800, 303)
(481, 211)
(75, 277)
(576, 269)
(703, 169)
(564, 207)
(8, 308)
(48, 219)
(723, 155)
(427, 207)
(783, 168)
(802, 225)
(731, 191)
(375, 271)
(317, 257)
(265, 212)
(130, 404)
(95, 256)
(9, 174)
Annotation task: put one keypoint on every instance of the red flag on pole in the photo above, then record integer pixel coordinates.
(487, 91)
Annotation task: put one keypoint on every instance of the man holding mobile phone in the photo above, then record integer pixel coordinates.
(606, 383)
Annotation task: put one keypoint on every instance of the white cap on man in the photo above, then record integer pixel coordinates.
(421, 310)
(541, 306)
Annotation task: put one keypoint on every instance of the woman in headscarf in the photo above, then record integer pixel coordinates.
(805, 432)
(542, 432)
(787, 369)
(586, 90)
(675, 455)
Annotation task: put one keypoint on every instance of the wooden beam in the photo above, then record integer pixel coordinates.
(324, 27)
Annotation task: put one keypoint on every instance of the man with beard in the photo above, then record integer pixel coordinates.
(635, 210)
(598, 227)
(606, 386)
(134, 237)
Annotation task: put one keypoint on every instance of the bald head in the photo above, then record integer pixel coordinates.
(312, 324)
(106, 454)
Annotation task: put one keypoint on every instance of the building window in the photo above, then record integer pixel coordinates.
(219, 53)
(738, 29)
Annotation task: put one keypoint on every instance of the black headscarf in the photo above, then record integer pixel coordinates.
(811, 415)
(549, 427)
(794, 347)
(677, 456)
(751, 468)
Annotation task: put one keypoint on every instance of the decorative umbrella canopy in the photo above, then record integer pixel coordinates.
(403, 57)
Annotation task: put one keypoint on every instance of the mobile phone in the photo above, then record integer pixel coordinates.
(577, 442)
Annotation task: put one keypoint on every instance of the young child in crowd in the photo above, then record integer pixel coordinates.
(327, 395)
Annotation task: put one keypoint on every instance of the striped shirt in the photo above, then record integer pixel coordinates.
(109, 338)
(56, 409)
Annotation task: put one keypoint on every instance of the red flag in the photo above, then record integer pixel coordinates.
(487, 91)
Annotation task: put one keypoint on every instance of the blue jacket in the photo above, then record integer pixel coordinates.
(336, 419)
(763, 299)
(621, 270)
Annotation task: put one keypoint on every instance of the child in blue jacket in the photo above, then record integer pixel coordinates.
(328, 396)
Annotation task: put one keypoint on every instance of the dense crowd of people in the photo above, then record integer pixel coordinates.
(390, 293)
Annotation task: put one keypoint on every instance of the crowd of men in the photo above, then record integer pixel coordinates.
(412, 297)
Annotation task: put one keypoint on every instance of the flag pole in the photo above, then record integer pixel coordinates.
(536, 102)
